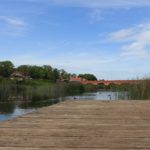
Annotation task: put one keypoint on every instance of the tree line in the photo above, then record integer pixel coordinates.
(39, 72)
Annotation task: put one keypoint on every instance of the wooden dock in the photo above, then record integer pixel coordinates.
(80, 125)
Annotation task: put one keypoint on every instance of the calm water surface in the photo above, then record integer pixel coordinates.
(102, 95)
(15, 109)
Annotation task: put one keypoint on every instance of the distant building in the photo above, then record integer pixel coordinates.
(105, 82)
(77, 79)
(62, 81)
(19, 76)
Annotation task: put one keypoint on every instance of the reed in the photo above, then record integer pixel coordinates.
(5, 90)
(136, 91)
(141, 90)
(14, 91)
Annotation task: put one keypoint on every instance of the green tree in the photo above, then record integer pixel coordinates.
(6, 68)
(24, 69)
(48, 72)
(73, 75)
(64, 74)
(89, 77)
(101, 86)
(37, 72)
(56, 75)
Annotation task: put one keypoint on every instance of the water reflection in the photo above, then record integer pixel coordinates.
(12, 109)
(40, 103)
(102, 95)
(7, 107)
(16, 112)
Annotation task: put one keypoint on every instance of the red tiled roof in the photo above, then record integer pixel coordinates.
(79, 79)
(106, 82)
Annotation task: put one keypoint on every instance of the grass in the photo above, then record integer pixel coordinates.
(141, 90)
(137, 91)
(5, 90)
(35, 90)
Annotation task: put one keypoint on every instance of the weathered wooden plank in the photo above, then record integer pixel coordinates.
(80, 125)
(75, 142)
(75, 133)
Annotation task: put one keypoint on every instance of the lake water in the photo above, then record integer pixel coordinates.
(101, 95)
(15, 109)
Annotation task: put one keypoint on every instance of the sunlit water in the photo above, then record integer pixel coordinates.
(11, 110)
(102, 95)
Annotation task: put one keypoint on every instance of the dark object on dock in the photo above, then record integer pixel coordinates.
(74, 98)
(109, 96)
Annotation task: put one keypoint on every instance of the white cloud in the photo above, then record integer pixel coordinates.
(144, 37)
(12, 25)
(121, 35)
(135, 49)
(13, 21)
(135, 40)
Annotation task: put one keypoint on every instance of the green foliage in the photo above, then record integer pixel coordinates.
(24, 69)
(43, 84)
(56, 75)
(5, 90)
(1, 78)
(90, 88)
(141, 90)
(44, 72)
(74, 88)
(47, 72)
(137, 91)
(6, 68)
(64, 74)
(40, 72)
(124, 87)
(35, 90)
(36, 72)
(89, 77)
(115, 87)
(101, 86)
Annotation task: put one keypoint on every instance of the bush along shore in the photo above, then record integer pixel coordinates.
(34, 90)
(141, 90)
(136, 91)
(33, 83)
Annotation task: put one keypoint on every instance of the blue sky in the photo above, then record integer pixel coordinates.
(110, 39)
